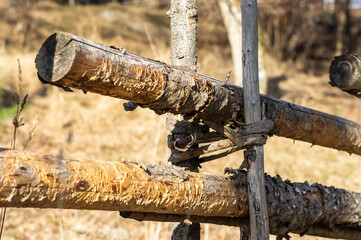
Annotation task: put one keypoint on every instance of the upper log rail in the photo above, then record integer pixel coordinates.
(345, 73)
(30, 180)
(69, 61)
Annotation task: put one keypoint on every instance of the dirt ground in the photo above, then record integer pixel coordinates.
(97, 127)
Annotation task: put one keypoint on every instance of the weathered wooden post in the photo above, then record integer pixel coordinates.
(183, 24)
(252, 112)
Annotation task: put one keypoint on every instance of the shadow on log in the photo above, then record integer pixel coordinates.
(68, 61)
(43, 181)
(345, 73)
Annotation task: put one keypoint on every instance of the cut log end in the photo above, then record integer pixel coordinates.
(55, 57)
(345, 71)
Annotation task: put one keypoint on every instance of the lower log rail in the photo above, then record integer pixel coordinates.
(343, 232)
(150, 191)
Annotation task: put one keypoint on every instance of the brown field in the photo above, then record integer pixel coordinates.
(97, 127)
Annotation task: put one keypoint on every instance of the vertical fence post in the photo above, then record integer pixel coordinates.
(183, 23)
(252, 107)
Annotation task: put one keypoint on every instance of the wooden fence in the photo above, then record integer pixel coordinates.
(112, 72)
(168, 193)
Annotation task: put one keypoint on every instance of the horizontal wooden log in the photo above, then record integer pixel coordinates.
(345, 73)
(69, 61)
(33, 180)
(335, 232)
(43, 181)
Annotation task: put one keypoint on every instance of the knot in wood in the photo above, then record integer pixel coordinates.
(250, 155)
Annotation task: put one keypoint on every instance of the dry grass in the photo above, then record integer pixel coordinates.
(97, 127)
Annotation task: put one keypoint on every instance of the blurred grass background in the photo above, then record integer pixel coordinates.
(97, 127)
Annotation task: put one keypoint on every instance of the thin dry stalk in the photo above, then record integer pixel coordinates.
(31, 132)
(17, 122)
(150, 40)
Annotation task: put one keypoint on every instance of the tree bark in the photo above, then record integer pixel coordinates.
(41, 181)
(345, 73)
(259, 227)
(183, 24)
(68, 61)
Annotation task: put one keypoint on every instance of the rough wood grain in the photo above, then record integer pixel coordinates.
(70, 61)
(34, 180)
(345, 73)
(259, 223)
(43, 181)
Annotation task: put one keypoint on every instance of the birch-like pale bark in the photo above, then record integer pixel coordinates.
(231, 14)
(183, 24)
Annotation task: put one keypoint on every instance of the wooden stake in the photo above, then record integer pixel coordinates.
(252, 112)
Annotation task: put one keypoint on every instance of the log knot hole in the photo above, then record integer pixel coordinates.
(81, 185)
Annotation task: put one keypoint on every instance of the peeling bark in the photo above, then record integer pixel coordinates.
(67, 60)
(43, 181)
(345, 73)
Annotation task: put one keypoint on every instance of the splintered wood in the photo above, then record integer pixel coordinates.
(42, 181)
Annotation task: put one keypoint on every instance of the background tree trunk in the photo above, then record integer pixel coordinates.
(342, 19)
(345, 73)
(231, 14)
